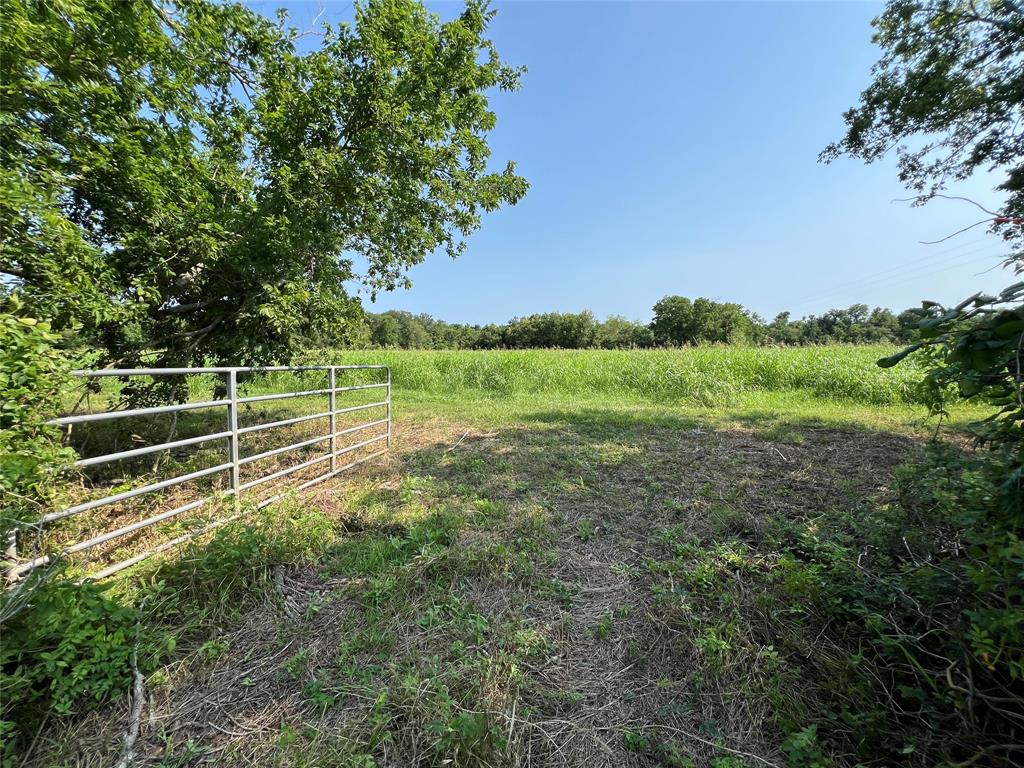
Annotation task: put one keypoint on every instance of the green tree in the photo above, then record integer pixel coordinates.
(677, 320)
(616, 332)
(551, 330)
(187, 184)
(384, 331)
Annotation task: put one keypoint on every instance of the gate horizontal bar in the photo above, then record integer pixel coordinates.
(283, 472)
(307, 393)
(361, 407)
(196, 371)
(310, 417)
(361, 426)
(305, 464)
(283, 422)
(150, 449)
(85, 507)
(81, 546)
(360, 386)
(285, 449)
(350, 448)
(283, 396)
(319, 479)
(136, 412)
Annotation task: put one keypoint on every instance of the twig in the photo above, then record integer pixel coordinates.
(695, 737)
(958, 232)
(457, 444)
(512, 720)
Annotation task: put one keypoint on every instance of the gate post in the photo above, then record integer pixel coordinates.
(332, 383)
(233, 456)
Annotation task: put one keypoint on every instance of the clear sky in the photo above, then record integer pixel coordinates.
(671, 148)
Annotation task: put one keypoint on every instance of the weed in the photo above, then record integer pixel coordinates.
(212, 650)
(603, 628)
(634, 741)
(296, 664)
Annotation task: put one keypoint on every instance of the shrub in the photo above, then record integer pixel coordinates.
(33, 377)
(69, 645)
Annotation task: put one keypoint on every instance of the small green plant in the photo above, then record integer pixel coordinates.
(318, 697)
(212, 650)
(178, 758)
(587, 530)
(803, 751)
(295, 666)
(635, 741)
(714, 645)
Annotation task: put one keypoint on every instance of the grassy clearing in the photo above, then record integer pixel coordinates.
(538, 579)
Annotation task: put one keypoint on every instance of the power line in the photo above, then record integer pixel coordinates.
(912, 270)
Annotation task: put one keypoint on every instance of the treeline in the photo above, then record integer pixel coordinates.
(677, 321)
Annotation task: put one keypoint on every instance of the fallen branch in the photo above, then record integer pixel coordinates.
(138, 702)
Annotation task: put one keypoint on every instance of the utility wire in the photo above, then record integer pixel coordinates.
(900, 274)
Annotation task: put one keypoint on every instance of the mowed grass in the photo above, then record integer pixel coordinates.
(566, 560)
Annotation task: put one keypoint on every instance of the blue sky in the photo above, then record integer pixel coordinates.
(672, 148)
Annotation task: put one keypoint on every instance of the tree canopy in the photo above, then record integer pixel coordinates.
(946, 96)
(677, 320)
(184, 181)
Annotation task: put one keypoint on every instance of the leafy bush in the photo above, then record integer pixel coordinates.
(928, 590)
(71, 644)
(33, 377)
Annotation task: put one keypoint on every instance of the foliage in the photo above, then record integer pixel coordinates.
(678, 321)
(853, 325)
(887, 612)
(72, 645)
(933, 584)
(188, 184)
(712, 324)
(69, 646)
(946, 94)
(974, 350)
(950, 72)
(32, 379)
(551, 330)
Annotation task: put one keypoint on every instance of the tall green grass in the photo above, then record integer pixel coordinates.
(711, 376)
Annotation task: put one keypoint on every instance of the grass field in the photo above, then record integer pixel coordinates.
(569, 558)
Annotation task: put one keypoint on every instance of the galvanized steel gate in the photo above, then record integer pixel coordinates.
(235, 462)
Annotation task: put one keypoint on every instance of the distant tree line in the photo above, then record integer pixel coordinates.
(678, 321)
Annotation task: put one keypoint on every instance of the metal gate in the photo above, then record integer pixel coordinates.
(338, 445)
